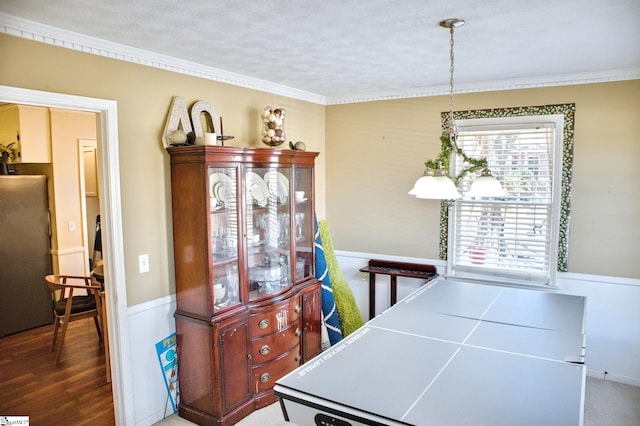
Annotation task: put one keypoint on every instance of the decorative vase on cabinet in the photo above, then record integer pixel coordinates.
(248, 303)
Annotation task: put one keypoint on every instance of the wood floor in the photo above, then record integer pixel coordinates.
(75, 392)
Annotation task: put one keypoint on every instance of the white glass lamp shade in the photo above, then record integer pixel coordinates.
(440, 187)
(486, 186)
(422, 184)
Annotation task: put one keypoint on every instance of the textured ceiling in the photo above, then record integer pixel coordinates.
(347, 49)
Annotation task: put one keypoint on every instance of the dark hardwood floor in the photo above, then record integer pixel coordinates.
(75, 392)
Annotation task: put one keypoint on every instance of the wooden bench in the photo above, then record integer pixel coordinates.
(394, 270)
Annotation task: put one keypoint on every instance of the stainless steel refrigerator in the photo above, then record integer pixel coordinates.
(25, 300)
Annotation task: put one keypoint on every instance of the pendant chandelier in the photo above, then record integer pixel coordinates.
(435, 183)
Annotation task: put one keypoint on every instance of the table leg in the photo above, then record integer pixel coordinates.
(372, 295)
(394, 289)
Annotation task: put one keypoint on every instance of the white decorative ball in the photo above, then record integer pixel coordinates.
(177, 137)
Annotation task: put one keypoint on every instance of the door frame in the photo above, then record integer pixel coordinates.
(83, 145)
(110, 209)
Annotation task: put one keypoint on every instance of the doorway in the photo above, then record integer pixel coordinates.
(110, 208)
(90, 202)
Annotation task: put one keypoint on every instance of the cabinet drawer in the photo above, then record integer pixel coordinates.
(269, 347)
(277, 318)
(265, 375)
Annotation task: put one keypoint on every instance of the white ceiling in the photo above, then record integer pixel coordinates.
(350, 50)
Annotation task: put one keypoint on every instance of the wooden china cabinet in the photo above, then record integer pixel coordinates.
(248, 303)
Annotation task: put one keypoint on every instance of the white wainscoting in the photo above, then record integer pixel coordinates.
(149, 323)
(613, 326)
(69, 261)
(613, 311)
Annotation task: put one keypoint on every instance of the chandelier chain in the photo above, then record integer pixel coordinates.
(440, 167)
(451, 80)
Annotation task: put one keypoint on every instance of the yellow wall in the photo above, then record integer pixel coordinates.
(144, 95)
(66, 128)
(376, 151)
(373, 155)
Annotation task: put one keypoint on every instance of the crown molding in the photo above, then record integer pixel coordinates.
(605, 76)
(19, 27)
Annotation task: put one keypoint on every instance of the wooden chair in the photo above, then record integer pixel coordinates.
(97, 274)
(74, 298)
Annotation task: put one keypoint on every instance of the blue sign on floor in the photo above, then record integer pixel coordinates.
(167, 355)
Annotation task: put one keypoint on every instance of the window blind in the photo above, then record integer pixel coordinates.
(510, 237)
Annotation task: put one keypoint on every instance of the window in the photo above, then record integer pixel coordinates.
(522, 237)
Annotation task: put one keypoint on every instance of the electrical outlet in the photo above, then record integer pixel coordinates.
(143, 263)
(72, 226)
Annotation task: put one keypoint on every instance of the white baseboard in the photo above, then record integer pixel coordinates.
(603, 375)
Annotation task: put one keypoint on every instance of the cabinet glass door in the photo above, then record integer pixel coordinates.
(268, 230)
(304, 223)
(224, 236)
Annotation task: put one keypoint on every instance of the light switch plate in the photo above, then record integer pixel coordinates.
(143, 263)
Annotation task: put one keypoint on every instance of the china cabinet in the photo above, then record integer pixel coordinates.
(248, 303)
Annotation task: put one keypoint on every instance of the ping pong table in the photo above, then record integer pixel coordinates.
(450, 353)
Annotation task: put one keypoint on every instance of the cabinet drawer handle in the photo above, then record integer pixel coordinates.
(297, 331)
(297, 309)
(298, 358)
(263, 324)
(265, 378)
(265, 349)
